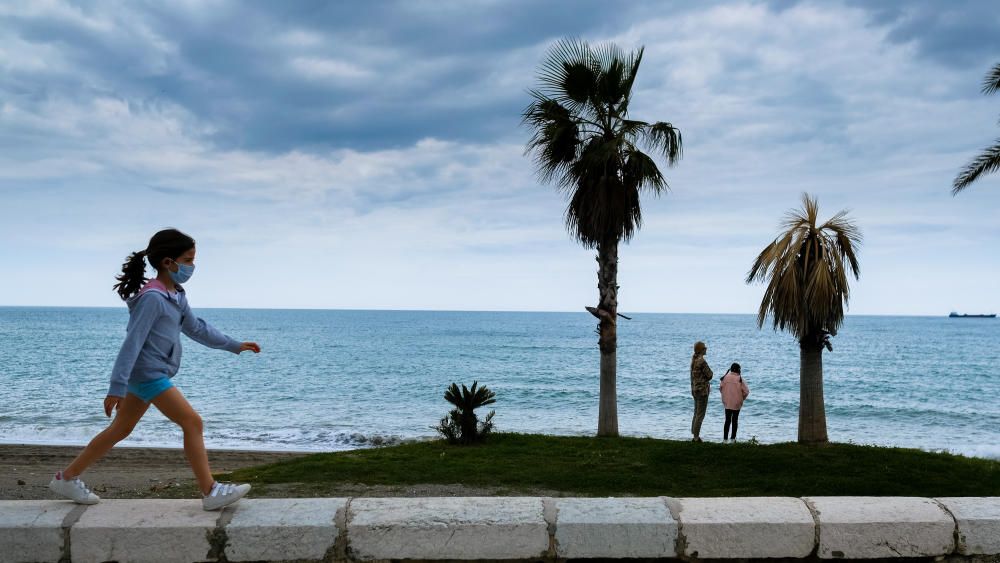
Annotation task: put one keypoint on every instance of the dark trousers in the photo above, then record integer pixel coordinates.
(732, 417)
(700, 406)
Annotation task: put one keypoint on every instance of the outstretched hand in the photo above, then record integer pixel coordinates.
(111, 403)
(251, 346)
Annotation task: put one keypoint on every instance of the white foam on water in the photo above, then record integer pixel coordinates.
(988, 451)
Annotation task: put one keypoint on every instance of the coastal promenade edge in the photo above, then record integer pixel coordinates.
(503, 528)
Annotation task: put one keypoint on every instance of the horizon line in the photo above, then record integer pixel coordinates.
(391, 310)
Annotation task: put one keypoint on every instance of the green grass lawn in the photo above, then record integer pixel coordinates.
(644, 467)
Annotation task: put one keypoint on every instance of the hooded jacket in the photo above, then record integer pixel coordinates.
(733, 390)
(152, 347)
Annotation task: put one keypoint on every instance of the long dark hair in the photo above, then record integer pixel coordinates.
(168, 243)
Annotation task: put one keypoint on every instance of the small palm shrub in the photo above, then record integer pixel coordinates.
(462, 426)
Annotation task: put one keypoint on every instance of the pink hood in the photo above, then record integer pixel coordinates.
(733, 390)
(154, 284)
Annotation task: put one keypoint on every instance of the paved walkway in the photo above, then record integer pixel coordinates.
(512, 528)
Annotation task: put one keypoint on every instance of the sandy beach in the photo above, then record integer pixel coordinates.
(25, 471)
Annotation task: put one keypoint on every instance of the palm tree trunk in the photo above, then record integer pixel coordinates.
(469, 421)
(812, 411)
(607, 312)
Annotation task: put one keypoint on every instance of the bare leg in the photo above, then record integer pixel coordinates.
(130, 410)
(175, 406)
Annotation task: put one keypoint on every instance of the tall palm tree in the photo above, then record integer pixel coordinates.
(584, 141)
(806, 269)
(989, 160)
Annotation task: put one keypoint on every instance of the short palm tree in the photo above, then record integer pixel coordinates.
(462, 425)
(584, 141)
(806, 271)
(989, 160)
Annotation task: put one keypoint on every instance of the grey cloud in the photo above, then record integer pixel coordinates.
(953, 32)
(407, 69)
(454, 71)
(227, 66)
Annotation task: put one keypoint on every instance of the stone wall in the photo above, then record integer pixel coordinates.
(503, 528)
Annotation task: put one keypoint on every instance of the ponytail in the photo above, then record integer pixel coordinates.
(133, 275)
(168, 243)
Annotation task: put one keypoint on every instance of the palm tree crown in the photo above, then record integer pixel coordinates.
(806, 269)
(584, 140)
(988, 160)
(467, 400)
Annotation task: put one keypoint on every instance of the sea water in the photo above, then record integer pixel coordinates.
(333, 380)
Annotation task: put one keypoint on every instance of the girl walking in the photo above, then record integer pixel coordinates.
(734, 391)
(149, 358)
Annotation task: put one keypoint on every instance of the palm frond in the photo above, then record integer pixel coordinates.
(641, 172)
(632, 70)
(632, 129)
(787, 289)
(991, 84)
(762, 265)
(847, 237)
(569, 72)
(806, 217)
(589, 219)
(987, 162)
(483, 397)
(555, 138)
(611, 79)
(666, 139)
(453, 395)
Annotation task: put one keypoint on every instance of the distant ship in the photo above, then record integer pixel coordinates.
(955, 315)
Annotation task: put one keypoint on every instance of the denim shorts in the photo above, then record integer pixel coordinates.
(149, 390)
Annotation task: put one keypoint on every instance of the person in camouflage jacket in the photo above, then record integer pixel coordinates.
(701, 374)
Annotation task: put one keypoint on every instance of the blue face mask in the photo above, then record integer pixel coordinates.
(183, 273)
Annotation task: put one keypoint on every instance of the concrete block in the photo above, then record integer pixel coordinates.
(614, 527)
(31, 530)
(282, 529)
(877, 527)
(447, 528)
(149, 530)
(978, 520)
(745, 527)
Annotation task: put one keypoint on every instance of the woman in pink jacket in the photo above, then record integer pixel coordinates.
(733, 390)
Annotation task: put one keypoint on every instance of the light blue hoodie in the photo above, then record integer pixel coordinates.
(152, 347)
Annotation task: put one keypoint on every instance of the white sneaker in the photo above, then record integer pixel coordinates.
(223, 494)
(73, 489)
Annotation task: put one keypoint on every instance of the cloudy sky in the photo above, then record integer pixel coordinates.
(370, 155)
